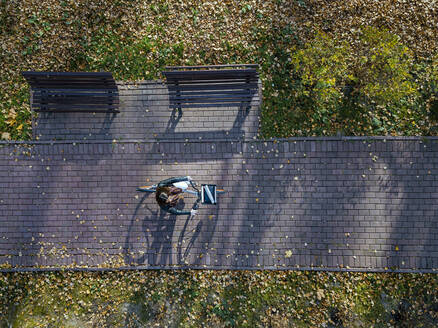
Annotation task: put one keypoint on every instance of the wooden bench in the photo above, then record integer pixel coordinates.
(73, 92)
(211, 86)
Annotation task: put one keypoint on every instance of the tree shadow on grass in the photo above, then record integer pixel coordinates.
(18, 290)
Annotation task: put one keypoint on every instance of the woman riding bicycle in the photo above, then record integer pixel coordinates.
(169, 193)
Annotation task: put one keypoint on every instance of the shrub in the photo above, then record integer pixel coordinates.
(384, 88)
(368, 89)
(321, 70)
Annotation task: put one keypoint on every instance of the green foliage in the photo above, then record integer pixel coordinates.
(367, 90)
(218, 299)
(321, 67)
(6, 21)
(278, 117)
(382, 72)
(126, 58)
(426, 73)
(321, 70)
(15, 124)
(384, 89)
(356, 67)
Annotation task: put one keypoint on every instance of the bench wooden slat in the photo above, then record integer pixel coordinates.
(75, 86)
(251, 86)
(72, 101)
(218, 79)
(83, 110)
(210, 66)
(97, 99)
(79, 92)
(220, 72)
(73, 91)
(209, 100)
(57, 80)
(237, 92)
(207, 105)
(216, 101)
(75, 94)
(81, 79)
(219, 83)
(70, 74)
(217, 96)
(206, 75)
(76, 106)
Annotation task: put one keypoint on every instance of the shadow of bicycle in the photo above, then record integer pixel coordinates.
(153, 243)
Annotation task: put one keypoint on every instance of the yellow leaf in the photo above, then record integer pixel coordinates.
(10, 122)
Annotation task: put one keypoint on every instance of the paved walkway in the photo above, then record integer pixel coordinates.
(331, 203)
(145, 115)
(69, 198)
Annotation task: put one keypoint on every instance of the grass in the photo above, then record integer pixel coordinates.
(219, 299)
(390, 74)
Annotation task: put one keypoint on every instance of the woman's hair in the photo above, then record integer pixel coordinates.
(168, 196)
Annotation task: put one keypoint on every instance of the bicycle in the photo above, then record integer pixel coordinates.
(207, 194)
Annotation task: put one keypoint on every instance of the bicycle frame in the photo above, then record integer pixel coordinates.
(184, 187)
(195, 192)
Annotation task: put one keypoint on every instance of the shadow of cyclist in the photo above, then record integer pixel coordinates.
(183, 248)
(160, 249)
(157, 228)
(129, 259)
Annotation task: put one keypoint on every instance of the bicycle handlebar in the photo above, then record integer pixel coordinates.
(196, 205)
